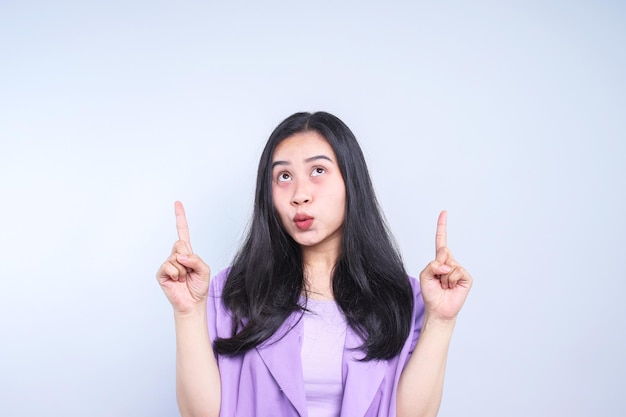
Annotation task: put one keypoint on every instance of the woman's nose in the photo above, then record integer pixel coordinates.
(299, 201)
(301, 195)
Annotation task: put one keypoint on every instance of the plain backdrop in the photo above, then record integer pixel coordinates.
(509, 114)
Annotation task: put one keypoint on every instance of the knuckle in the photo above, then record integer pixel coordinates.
(431, 267)
(172, 272)
(180, 246)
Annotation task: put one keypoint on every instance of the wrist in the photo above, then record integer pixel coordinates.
(433, 320)
(193, 312)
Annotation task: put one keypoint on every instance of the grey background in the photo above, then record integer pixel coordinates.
(508, 114)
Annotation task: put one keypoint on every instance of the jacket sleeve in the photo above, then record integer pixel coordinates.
(217, 316)
(418, 314)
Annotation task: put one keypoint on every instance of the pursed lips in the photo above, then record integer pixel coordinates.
(303, 221)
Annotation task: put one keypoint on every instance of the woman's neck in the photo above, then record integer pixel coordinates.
(318, 273)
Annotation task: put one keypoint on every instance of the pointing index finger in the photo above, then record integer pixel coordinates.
(181, 223)
(441, 235)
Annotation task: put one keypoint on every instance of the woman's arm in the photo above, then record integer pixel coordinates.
(184, 278)
(445, 285)
(198, 388)
(421, 382)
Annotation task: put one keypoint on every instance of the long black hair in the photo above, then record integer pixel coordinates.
(369, 281)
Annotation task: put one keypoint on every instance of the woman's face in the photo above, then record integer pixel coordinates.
(309, 192)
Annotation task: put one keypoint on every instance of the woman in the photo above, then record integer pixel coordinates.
(316, 316)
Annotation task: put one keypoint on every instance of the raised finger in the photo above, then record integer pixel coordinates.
(181, 223)
(441, 236)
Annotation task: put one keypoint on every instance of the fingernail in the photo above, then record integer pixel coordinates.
(444, 269)
(182, 258)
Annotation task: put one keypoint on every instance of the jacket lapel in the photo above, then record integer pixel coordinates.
(361, 380)
(281, 355)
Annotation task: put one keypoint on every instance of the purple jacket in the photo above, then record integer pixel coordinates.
(267, 381)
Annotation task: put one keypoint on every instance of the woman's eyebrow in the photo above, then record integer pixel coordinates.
(317, 157)
(276, 163)
(307, 160)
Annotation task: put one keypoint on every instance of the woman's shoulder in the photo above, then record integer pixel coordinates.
(415, 284)
(219, 280)
(418, 305)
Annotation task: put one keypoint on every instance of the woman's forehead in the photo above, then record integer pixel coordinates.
(303, 147)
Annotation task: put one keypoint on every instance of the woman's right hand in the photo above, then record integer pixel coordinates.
(184, 277)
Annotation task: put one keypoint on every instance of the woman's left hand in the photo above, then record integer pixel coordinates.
(444, 282)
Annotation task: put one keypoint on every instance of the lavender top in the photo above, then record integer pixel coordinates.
(323, 343)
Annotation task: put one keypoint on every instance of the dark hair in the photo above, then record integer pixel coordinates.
(369, 281)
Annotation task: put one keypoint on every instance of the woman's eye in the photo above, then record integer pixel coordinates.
(282, 177)
(318, 171)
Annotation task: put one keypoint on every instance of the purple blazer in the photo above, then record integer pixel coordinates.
(267, 381)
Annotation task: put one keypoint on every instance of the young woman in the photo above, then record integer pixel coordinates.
(316, 316)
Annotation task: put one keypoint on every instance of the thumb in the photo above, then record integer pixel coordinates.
(434, 270)
(193, 263)
(439, 269)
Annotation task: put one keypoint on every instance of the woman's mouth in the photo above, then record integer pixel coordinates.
(303, 221)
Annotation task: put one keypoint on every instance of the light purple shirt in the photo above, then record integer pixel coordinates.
(323, 340)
